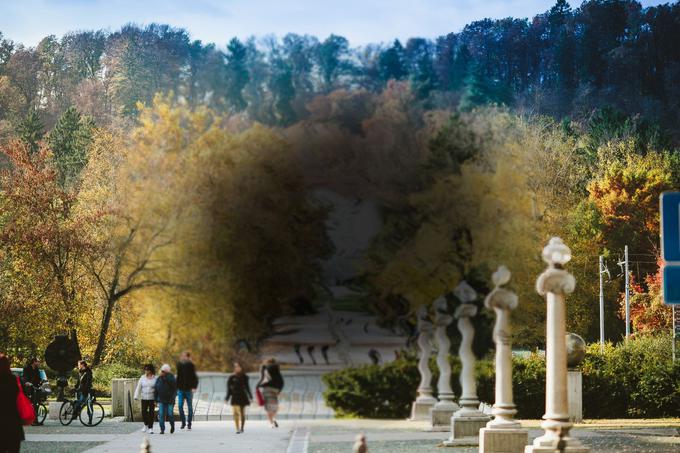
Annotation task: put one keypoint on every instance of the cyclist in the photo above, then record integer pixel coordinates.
(84, 389)
(32, 381)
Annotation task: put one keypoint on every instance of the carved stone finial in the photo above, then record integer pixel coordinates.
(440, 304)
(501, 276)
(145, 447)
(556, 253)
(501, 297)
(464, 292)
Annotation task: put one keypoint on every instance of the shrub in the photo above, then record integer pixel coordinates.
(374, 391)
(103, 374)
(633, 379)
(388, 391)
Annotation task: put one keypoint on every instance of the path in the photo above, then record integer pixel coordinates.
(207, 437)
(331, 436)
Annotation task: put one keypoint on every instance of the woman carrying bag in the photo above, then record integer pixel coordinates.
(239, 396)
(15, 409)
(271, 383)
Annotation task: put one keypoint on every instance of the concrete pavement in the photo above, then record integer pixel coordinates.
(208, 437)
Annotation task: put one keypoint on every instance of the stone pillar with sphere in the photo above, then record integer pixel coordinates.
(576, 352)
(466, 421)
(440, 415)
(555, 283)
(503, 434)
(424, 401)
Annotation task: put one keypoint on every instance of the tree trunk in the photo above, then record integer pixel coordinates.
(103, 330)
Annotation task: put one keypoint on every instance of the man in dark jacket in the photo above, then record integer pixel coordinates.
(187, 382)
(31, 379)
(84, 389)
(166, 391)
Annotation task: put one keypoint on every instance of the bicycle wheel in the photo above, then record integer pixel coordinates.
(40, 414)
(93, 417)
(66, 413)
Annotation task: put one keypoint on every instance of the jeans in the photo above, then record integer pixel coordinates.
(189, 396)
(163, 410)
(148, 407)
(80, 402)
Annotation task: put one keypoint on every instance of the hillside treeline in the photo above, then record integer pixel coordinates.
(563, 62)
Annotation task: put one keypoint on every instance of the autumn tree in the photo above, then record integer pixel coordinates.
(43, 240)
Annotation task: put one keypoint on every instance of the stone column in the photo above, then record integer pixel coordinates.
(445, 407)
(503, 434)
(554, 283)
(467, 421)
(425, 401)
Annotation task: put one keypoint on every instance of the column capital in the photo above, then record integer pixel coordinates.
(500, 297)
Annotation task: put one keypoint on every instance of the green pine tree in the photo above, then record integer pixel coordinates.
(237, 74)
(480, 90)
(69, 141)
(31, 130)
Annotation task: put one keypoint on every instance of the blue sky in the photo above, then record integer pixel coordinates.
(361, 21)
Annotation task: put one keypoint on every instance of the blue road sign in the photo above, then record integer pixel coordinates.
(671, 284)
(670, 226)
(670, 246)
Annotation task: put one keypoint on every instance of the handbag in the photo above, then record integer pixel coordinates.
(24, 406)
(259, 397)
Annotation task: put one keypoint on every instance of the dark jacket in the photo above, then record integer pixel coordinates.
(238, 390)
(31, 375)
(270, 376)
(85, 381)
(186, 376)
(166, 389)
(11, 430)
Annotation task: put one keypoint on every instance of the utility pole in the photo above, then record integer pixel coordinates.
(602, 271)
(625, 270)
(625, 254)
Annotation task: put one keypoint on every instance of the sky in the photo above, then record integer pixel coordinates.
(217, 21)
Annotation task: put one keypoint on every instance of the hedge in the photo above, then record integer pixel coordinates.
(634, 379)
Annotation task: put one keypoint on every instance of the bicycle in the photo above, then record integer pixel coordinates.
(37, 396)
(72, 409)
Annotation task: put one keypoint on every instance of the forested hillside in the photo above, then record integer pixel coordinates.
(564, 62)
(155, 191)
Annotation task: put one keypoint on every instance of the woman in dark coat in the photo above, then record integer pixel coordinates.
(11, 429)
(239, 396)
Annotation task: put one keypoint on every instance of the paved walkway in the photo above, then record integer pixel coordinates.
(206, 437)
(330, 436)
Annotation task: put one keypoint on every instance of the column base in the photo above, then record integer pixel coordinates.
(465, 429)
(440, 415)
(420, 410)
(549, 444)
(503, 440)
(575, 395)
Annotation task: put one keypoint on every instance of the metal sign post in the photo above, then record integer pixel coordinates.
(676, 331)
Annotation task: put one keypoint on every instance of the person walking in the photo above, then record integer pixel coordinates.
(271, 384)
(146, 390)
(11, 429)
(187, 383)
(84, 389)
(166, 392)
(239, 396)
